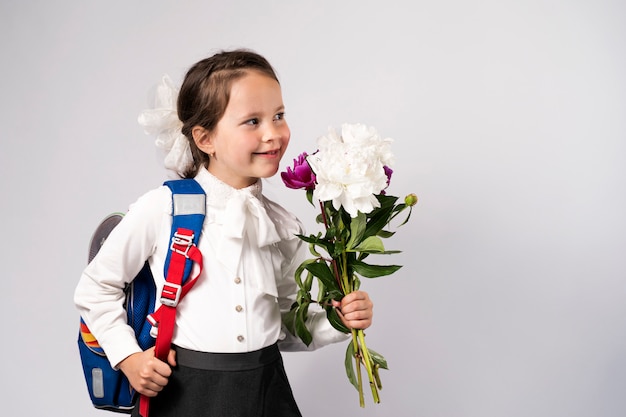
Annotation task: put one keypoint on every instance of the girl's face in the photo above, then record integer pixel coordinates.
(252, 135)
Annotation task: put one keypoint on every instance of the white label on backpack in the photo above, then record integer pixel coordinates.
(189, 204)
(97, 382)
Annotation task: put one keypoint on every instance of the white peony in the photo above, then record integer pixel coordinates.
(349, 168)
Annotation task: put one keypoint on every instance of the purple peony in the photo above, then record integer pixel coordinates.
(388, 172)
(300, 176)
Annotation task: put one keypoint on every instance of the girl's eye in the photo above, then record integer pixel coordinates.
(252, 122)
(280, 116)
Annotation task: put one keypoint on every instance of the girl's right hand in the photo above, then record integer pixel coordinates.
(147, 374)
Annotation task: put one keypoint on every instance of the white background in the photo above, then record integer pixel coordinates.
(509, 121)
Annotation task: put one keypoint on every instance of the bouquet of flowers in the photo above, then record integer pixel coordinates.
(347, 176)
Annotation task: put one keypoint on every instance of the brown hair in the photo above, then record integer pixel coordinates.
(205, 93)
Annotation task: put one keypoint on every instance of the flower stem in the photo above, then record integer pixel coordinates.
(346, 281)
(357, 359)
(324, 215)
(369, 363)
(379, 384)
(337, 275)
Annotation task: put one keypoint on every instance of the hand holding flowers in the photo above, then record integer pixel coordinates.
(355, 310)
(347, 175)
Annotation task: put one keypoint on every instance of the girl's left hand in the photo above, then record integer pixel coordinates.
(355, 310)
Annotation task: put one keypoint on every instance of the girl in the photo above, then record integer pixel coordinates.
(225, 359)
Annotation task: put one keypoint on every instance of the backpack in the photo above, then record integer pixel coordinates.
(108, 388)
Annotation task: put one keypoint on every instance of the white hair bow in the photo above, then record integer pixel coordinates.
(163, 122)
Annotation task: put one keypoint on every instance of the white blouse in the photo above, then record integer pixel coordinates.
(250, 253)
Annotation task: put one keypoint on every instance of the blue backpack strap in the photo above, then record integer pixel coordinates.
(188, 211)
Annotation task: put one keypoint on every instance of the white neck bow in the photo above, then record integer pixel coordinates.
(236, 219)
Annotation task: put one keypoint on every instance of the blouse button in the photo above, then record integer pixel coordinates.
(239, 308)
(240, 338)
(237, 280)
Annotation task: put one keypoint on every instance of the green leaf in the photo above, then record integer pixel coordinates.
(317, 241)
(386, 200)
(300, 320)
(378, 359)
(380, 218)
(338, 250)
(357, 228)
(321, 270)
(373, 271)
(400, 207)
(356, 283)
(308, 282)
(329, 295)
(408, 216)
(350, 367)
(385, 234)
(372, 244)
(300, 271)
(321, 290)
(313, 250)
(335, 294)
(335, 320)
(289, 320)
(309, 239)
(363, 255)
(309, 197)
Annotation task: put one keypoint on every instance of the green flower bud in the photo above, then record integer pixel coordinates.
(410, 200)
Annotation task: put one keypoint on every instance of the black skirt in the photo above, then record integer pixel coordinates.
(203, 384)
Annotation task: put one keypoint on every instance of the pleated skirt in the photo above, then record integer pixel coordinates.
(204, 384)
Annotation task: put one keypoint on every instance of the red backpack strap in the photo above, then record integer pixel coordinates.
(187, 220)
(174, 290)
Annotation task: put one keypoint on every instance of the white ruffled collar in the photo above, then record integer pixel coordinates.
(218, 193)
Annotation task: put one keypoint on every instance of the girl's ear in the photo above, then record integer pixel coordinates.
(203, 139)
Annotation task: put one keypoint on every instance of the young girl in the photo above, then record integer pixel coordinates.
(225, 359)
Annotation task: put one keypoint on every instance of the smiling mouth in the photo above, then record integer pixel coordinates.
(274, 152)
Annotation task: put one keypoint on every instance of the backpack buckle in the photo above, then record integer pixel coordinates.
(181, 244)
(170, 294)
